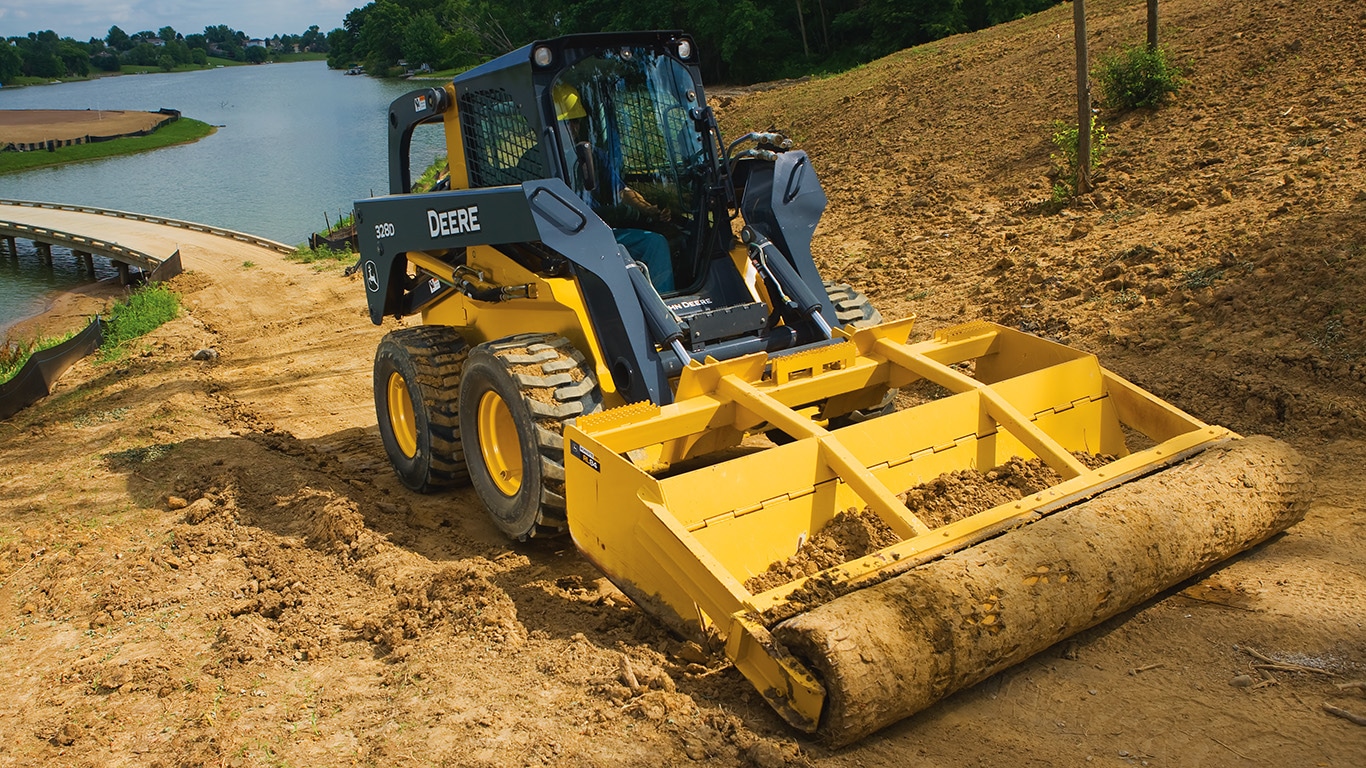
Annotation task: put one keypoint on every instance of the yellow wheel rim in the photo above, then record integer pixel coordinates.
(498, 443)
(401, 419)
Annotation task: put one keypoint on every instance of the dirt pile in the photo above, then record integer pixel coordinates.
(211, 562)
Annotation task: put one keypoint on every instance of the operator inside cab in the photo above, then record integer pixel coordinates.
(598, 177)
(623, 140)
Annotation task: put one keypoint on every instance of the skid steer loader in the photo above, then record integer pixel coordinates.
(624, 336)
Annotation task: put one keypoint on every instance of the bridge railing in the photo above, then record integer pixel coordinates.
(82, 243)
(181, 224)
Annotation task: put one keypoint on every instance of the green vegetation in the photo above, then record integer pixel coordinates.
(1066, 164)
(1137, 76)
(182, 131)
(429, 177)
(322, 253)
(140, 314)
(41, 57)
(743, 41)
(13, 354)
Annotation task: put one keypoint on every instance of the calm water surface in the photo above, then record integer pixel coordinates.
(296, 141)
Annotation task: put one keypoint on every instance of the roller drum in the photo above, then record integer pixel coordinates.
(890, 650)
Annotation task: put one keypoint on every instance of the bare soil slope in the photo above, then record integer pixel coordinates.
(211, 563)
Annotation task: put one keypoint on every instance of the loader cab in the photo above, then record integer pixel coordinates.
(629, 145)
(621, 119)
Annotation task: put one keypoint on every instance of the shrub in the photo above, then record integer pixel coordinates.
(1137, 76)
(1065, 162)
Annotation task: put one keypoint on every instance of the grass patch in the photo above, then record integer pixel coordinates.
(13, 354)
(434, 173)
(289, 58)
(321, 253)
(182, 131)
(140, 314)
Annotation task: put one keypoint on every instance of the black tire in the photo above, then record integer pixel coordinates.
(517, 394)
(421, 436)
(851, 306)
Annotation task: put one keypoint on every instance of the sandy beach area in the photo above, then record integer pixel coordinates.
(29, 126)
(67, 311)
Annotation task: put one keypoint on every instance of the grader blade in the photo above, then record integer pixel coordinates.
(1146, 497)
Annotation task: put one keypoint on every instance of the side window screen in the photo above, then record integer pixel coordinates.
(500, 146)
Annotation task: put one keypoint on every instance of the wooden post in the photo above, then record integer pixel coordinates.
(1152, 25)
(10, 247)
(124, 277)
(1083, 101)
(44, 252)
(88, 259)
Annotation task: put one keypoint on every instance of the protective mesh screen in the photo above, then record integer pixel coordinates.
(642, 144)
(500, 146)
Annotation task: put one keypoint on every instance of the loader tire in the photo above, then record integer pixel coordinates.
(417, 379)
(517, 394)
(854, 308)
(851, 306)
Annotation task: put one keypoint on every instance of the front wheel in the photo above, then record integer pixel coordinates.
(516, 395)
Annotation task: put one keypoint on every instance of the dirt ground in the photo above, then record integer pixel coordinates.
(211, 562)
(28, 126)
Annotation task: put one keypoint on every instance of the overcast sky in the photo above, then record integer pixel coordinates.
(84, 19)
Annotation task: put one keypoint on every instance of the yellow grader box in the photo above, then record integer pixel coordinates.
(849, 649)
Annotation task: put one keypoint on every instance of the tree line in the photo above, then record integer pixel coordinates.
(741, 40)
(44, 54)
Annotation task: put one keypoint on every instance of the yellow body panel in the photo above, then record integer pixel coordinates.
(685, 543)
(555, 306)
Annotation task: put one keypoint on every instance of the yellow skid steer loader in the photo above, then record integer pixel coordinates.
(625, 337)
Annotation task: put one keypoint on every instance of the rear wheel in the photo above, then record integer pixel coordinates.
(517, 394)
(417, 379)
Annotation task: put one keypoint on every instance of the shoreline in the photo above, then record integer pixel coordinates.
(66, 310)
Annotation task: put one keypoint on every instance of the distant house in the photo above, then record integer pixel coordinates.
(256, 43)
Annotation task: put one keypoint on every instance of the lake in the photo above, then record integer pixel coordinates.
(296, 142)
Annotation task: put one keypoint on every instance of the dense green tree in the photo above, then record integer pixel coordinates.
(422, 41)
(118, 39)
(381, 35)
(142, 55)
(11, 63)
(39, 52)
(254, 54)
(167, 34)
(340, 49)
(199, 56)
(75, 56)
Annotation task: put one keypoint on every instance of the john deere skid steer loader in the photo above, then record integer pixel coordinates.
(624, 336)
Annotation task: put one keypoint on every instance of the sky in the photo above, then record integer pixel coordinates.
(84, 19)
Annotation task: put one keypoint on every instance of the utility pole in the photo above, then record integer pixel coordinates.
(1083, 101)
(1152, 25)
